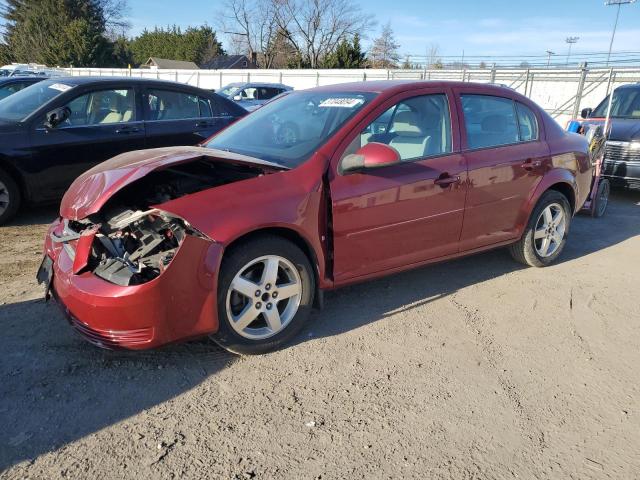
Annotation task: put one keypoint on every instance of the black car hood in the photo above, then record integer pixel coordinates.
(625, 129)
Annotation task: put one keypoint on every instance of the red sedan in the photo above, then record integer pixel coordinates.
(318, 189)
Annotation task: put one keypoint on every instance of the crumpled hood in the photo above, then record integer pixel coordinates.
(91, 190)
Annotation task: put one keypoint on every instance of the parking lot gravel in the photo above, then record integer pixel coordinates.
(477, 368)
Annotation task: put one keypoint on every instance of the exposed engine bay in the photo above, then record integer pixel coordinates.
(134, 242)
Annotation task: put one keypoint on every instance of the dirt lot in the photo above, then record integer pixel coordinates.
(472, 369)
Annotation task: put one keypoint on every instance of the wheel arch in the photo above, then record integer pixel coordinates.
(17, 177)
(567, 190)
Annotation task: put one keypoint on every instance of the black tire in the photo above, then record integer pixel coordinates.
(232, 263)
(602, 198)
(9, 188)
(524, 250)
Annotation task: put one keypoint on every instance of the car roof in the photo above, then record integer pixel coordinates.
(258, 84)
(628, 86)
(392, 86)
(77, 81)
(25, 78)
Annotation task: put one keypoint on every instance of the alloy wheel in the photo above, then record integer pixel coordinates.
(264, 297)
(4, 198)
(550, 229)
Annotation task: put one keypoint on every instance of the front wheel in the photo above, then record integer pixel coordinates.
(265, 295)
(9, 197)
(546, 233)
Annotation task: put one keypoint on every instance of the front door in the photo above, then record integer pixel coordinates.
(103, 124)
(406, 213)
(506, 157)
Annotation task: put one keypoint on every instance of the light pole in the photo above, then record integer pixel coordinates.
(619, 4)
(571, 41)
(549, 53)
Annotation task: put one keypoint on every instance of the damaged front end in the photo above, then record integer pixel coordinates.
(134, 247)
(131, 240)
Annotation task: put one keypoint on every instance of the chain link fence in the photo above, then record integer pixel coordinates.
(563, 93)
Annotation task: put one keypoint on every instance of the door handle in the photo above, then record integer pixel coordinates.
(531, 164)
(203, 124)
(126, 130)
(445, 180)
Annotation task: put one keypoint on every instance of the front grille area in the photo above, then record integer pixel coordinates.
(619, 158)
(112, 339)
(622, 152)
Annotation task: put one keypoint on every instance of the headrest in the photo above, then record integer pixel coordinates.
(494, 124)
(407, 124)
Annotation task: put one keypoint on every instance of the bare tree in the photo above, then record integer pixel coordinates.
(433, 54)
(384, 52)
(315, 27)
(252, 25)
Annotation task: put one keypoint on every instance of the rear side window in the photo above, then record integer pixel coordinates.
(489, 121)
(527, 122)
(172, 105)
(266, 93)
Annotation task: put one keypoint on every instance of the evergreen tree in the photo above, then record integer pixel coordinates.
(347, 54)
(195, 44)
(58, 32)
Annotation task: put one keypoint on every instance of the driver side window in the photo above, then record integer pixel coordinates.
(102, 107)
(417, 127)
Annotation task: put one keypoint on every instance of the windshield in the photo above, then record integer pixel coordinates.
(229, 90)
(20, 105)
(287, 131)
(626, 104)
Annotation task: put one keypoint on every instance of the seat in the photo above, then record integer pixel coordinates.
(410, 140)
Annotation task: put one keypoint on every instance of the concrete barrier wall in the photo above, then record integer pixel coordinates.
(560, 92)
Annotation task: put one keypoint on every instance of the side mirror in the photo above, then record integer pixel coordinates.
(237, 98)
(372, 155)
(56, 117)
(586, 112)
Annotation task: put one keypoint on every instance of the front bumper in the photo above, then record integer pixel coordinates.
(179, 304)
(622, 164)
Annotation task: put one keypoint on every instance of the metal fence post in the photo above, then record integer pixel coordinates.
(197, 79)
(317, 78)
(610, 81)
(280, 76)
(493, 74)
(531, 85)
(220, 79)
(583, 78)
(526, 84)
(464, 74)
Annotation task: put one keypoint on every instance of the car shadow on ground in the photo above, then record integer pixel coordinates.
(55, 388)
(361, 304)
(40, 215)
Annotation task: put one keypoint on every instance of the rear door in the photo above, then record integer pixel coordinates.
(104, 122)
(177, 117)
(405, 213)
(506, 157)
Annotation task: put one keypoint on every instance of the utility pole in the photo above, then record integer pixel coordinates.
(549, 53)
(619, 4)
(571, 41)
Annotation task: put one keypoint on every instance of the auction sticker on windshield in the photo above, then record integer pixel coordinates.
(61, 87)
(342, 102)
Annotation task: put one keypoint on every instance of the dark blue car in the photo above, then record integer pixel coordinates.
(622, 157)
(53, 131)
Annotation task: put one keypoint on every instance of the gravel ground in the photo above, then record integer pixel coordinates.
(477, 368)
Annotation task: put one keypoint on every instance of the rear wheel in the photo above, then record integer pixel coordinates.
(265, 295)
(546, 233)
(9, 197)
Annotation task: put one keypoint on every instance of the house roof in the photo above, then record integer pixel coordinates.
(229, 61)
(171, 64)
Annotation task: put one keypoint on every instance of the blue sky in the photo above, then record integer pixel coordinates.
(486, 27)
